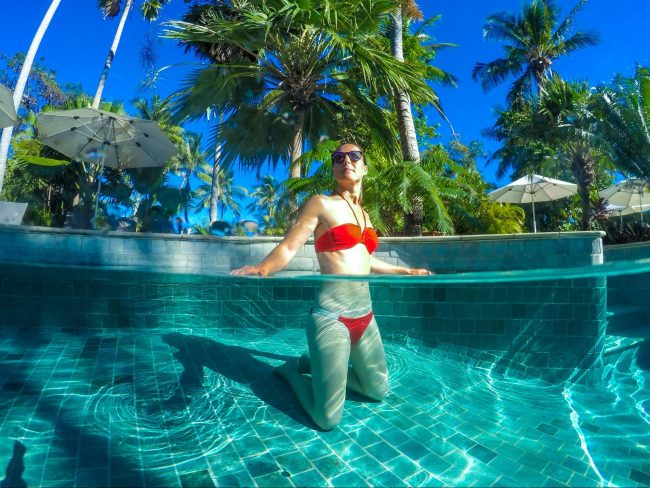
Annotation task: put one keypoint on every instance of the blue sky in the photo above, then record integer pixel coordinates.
(78, 40)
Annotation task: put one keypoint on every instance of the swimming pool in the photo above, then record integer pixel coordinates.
(132, 378)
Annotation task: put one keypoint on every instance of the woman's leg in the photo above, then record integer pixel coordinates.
(322, 395)
(369, 373)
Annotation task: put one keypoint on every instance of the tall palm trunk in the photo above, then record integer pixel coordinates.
(295, 170)
(583, 167)
(22, 81)
(296, 145)
(215, 192)
(111, 54)
(407, 135)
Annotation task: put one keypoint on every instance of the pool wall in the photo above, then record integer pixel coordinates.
(551, 329)
(628, 295)
(207, 254)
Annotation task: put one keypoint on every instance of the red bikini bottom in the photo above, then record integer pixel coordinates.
(357, 325)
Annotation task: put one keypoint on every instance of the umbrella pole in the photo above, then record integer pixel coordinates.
(641, 207)
(534, 219)
(99, 187)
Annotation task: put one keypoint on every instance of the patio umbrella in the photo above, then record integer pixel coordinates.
(621, 210)
(8, 117)
(634, 193)
(531, 189)
(113, 140)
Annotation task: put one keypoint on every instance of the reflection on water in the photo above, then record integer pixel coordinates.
(170, 404)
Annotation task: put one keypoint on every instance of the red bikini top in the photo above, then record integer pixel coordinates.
(346, 236)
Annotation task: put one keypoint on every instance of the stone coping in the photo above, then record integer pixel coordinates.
(262, 239)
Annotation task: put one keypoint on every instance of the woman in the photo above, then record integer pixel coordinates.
(343, 330)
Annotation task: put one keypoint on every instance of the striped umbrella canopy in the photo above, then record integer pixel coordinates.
(8, 117)
(531, 189)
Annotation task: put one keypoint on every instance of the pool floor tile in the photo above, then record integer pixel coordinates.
(176, 407)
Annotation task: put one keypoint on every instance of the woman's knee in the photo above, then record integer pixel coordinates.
(378, 389)
(328, 421)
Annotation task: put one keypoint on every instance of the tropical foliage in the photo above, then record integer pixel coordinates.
(625, 109)
(301, 68)
(532, 41)
(287, 80)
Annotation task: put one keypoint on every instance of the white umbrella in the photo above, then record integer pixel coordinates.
(113, 140)
(632, 193)
(620, 210)
(8, 117)
(531, 189)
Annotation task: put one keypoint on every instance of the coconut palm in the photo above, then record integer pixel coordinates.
(271, 203)
(111, 9)
(532, 42)
(228, 194)
(557, 131)
(190, 158)
(625, 106)
(22, 81)
(408, 137)
(302, 68)
(419, 53)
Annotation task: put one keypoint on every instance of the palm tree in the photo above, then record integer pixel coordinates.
(300, 69)
(190, 159)
(558, 131)
(22, 81)
(111, 8)
(408, 138)
(227, 196)
(271, 203)
(532, 42)
(625, 106)
(407, 134)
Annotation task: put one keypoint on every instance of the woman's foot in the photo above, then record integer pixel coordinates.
(287, 368)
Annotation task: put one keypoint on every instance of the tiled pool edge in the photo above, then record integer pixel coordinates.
(210, 254)
(553, 329)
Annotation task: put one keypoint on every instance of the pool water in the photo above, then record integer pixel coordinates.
(201, 407)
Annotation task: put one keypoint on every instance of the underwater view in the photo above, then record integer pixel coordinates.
(183, 405)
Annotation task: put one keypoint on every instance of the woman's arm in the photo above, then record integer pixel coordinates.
(280, 256)
(378, 266)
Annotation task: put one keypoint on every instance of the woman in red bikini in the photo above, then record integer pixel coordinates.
(344, 330)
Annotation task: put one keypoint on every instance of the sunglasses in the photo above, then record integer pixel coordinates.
(338, 157)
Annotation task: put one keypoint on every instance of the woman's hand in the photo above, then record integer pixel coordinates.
(250, 270)
(419, 272)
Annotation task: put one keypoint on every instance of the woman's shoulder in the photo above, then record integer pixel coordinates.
(320, 200)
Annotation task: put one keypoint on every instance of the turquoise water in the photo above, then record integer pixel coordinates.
(179, 405)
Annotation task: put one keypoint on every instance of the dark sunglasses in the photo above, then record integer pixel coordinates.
(338, 157)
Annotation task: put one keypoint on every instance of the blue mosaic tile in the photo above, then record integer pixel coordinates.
(388, 480)
(348, 451)
(294, 462)
(402, 467)
(368, 467)
(382, 451)
(423, 478)
(236, 479)
(196, 479)
(272, 480)
(349, 479)
(330, 466)
(414, 450)
(309, 478)
(482, 453)
(640, 477)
